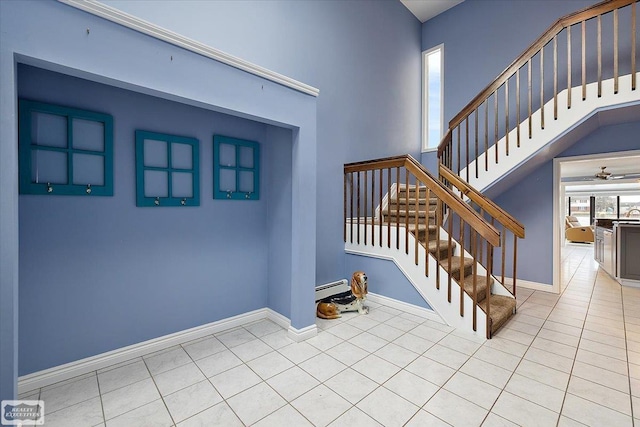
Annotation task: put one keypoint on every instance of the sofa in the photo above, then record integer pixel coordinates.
(575, 232)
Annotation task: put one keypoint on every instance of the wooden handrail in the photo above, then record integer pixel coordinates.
(388, 162)
(445, 194)
(546, 37)
(485, 203)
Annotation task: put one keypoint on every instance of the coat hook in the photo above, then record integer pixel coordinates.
(49, 188)
(88, 190)
(88, 30)
(228, 194)
(183, 202)
(157, 201)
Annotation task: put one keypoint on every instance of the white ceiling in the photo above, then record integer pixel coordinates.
(615, 165)
(427, 9)
(588, 168)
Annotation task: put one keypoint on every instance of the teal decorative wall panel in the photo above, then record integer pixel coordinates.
(167, 170)
(64, 151)
(236, 168)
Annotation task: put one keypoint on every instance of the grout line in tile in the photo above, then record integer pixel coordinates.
(158, 389)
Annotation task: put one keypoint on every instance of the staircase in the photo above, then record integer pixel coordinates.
(395, 209)
(502, 307)
(455, 245)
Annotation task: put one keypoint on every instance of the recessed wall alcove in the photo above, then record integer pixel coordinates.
(83, 276)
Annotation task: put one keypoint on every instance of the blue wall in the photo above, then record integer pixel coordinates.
(386, 279)
(45, 34)
(277, 159)
(99, 273)
(481, 38)
(363, 56)
(495, 33)
(535, 252)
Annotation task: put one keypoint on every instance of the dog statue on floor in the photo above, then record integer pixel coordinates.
(352, 300)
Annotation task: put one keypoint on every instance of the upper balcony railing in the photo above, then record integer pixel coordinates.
(601, 39)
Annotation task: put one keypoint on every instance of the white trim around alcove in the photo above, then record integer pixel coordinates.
(112, 14)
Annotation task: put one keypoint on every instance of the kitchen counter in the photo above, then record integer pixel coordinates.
(617, 250)
(628, 252)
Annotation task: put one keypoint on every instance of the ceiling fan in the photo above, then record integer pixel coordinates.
(603, 175)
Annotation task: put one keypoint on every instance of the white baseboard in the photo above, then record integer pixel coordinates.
(536, 286)
(278, 318)
(64, 372)
(299, 335)
(406, 307)
(629, 282)
(79, 367)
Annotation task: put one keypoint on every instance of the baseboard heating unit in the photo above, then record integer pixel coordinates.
(332, 288)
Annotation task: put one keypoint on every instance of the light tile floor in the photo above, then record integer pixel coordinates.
(564, 360)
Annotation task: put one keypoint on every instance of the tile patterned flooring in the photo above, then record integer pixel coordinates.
(564, 360)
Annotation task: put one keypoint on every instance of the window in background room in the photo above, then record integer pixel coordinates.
(236, 168)
(606, 207)
(167, 170)
(432, 97)
(64, 151)
(630, 206)
(579, 206)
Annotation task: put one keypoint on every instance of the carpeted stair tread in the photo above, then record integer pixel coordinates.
(502, 308)
(481, 286)
(467, 264)
(421, 227)
(434, 245)
(442, 246)
(402, 191)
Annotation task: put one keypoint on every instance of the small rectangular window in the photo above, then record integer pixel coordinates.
(607, 207)
(236, 171)
(630, 206)
(167, 170)
(432, 97)
(65, 151)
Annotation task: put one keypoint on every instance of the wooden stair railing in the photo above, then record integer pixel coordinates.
(435, 215)
(489, 117)
(493, 213)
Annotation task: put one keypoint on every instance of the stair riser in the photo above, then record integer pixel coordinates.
(468, 271)
(412, 201)
(402, 192)
(403, 213)
(402, 219)
(402, 201)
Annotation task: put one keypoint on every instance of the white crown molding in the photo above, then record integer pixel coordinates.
(129, 21)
